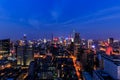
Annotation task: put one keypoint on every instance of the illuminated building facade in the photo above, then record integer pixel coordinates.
(4, 47)
(24, 53)
(24, 57)
(90, 43)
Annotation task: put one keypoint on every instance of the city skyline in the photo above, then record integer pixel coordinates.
(92, 19)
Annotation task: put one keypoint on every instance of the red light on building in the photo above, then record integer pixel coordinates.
(109, 50)
(55, 39)
(106, 44)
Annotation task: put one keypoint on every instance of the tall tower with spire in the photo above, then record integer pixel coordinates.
(24, 49)
(73, 33)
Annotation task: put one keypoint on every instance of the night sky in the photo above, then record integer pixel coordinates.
(96, 19)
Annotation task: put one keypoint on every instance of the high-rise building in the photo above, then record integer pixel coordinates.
(24, 53)
(77, 38)
(110, 65)
(110, 41)
(90, 43)
(25, 49)
(24, 57)
(4, 47)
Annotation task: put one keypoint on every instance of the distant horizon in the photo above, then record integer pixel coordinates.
(46, 36)
(92, 18)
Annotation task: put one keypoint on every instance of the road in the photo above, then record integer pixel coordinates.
(77, 67)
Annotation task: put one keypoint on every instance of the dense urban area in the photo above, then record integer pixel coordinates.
(60, 58)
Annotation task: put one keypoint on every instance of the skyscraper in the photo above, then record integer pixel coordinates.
(24, 53)
(110, 41)
(77, 38)
(24, 50)
(4, 47)
(90, 43)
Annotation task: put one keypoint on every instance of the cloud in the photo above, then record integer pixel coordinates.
(34, 23)
(101, 13)
(91, 18)
(104, 18)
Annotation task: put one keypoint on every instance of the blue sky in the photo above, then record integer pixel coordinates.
(96, 19)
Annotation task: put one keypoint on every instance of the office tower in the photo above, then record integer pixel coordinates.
(24, 53)
(25, 58)
(90, 43)
(110, 41)
(4, 47)
(24, 49)
(77, 38)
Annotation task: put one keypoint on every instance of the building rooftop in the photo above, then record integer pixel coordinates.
(102, 75)
(113, 58)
